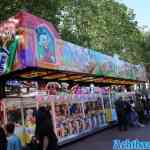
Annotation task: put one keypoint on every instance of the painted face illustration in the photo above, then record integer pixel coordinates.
(46, 47)
(43, 41)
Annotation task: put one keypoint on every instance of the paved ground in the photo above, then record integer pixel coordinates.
(103, 140)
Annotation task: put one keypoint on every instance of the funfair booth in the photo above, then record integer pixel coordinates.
(38, 68)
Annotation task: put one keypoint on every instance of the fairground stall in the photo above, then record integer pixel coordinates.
(38, 68)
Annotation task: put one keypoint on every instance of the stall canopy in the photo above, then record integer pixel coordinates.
(31, 48)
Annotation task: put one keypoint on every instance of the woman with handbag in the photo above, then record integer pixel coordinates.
(44, 133)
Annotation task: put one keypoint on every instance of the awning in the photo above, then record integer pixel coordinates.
(36, 74)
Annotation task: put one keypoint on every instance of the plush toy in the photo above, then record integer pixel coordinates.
(53, 88)
(64, 87)
(75, 89)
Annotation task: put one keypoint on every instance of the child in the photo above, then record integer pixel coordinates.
(14, 142)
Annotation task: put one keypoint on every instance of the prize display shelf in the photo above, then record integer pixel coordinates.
(76, 112)
(74, 116)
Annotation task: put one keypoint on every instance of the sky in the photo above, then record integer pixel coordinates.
(141, 9)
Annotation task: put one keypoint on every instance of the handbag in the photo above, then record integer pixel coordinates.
(33, 145)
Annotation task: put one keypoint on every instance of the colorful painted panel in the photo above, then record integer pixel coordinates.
(105, 65)
(77, 59)
(29, 41)
(26, 40)
(8, 45)
(45, 45)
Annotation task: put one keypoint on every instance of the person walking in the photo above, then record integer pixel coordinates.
(3, 140)
(126, 110)
(44, 130)
(14, 142)
(121, 114)
(139, 107)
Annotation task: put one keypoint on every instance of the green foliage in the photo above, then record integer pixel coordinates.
(146, 47)
(104, 25)
(46, 9)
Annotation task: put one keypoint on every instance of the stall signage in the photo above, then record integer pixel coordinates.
(37, 46)
(7, 35)
(3, 60)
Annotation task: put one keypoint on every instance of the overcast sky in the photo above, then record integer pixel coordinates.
(141, 9)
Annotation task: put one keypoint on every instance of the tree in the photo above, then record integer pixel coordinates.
(146, 47)
(104, 25)
(46, 9)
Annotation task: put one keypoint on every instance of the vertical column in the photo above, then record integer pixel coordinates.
(53, 115)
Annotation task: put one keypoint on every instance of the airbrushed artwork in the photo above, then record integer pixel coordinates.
(29, 41)
(8, 45)
(45, 45)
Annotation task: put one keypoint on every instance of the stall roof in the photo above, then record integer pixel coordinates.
(36, 74)
(31, 49)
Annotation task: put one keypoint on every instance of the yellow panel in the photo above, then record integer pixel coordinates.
(86, 78)
(71, 77)
(33, 74)
(75, 76)
(64, 79)
(54, 76)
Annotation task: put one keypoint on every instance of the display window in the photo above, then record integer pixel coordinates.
(99, 104)
(67, 130)
(87, 125)
(29, 123)
(102, 119)
(74, 127)
(61, 110)
(72, 115)
(80, 123)
(59, 129)
(14, 115)
(93, 122)
(75, 110)
(106, 101)
(30, 114)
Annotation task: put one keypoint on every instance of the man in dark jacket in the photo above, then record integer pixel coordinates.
(122, 109)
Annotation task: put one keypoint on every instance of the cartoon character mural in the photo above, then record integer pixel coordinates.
(45, 45)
